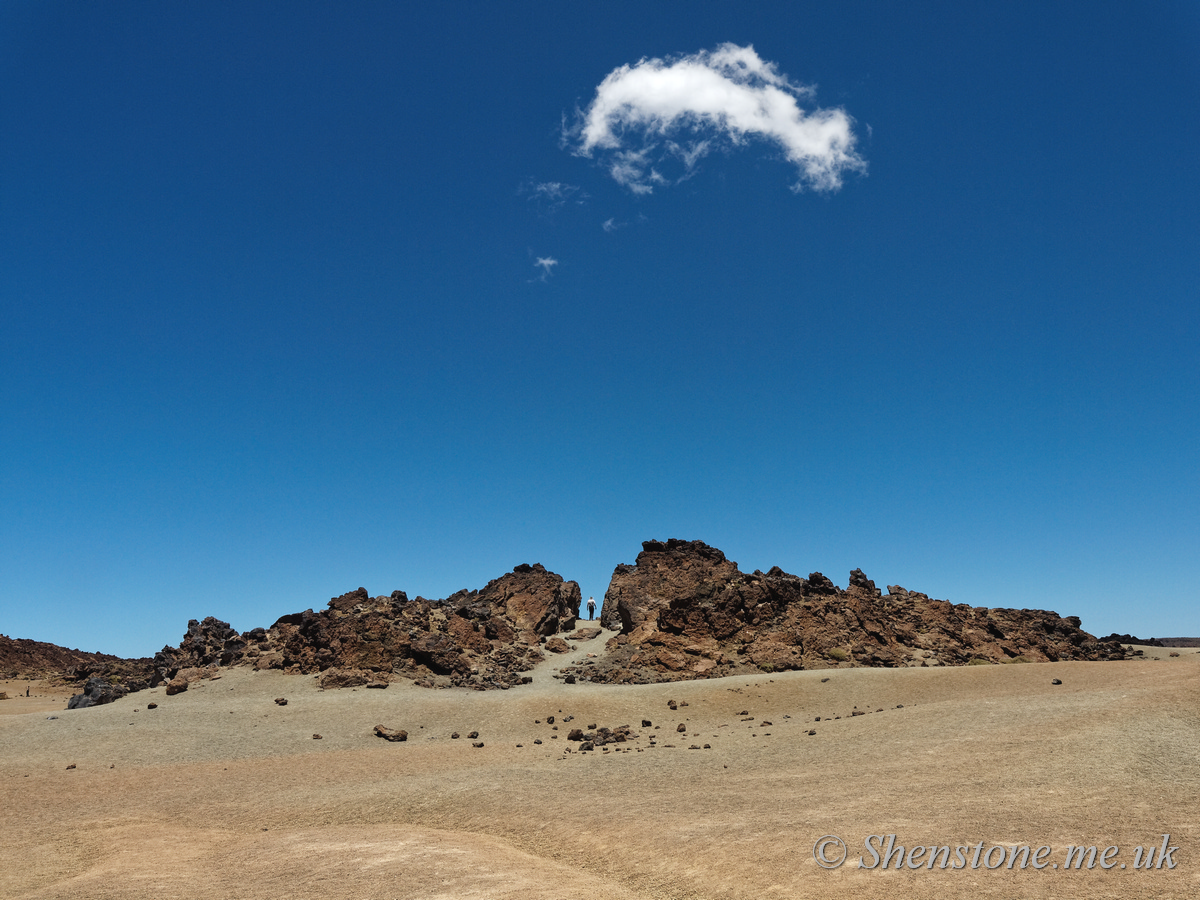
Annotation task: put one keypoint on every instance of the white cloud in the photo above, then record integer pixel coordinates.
(546, 264)
(550, 196)
(611, 225)
(655, 110)
(553, 190)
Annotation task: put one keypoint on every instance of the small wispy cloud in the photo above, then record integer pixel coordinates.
(684, 108)
(546, 264)
(550, 196)
(611, 225)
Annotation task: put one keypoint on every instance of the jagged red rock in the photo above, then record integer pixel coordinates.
(685, 611)
(481, 639)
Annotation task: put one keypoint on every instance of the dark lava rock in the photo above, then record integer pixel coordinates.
(681, 727)
(646, 723)
(587, 745)
(576, 734)
(1055, 681)
(1115, 638)
(97, 691)
(389, 735)
(472, 734)
(281, 701)
(151, 706)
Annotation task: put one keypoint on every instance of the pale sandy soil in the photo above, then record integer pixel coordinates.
(220, 793)
(44, 696)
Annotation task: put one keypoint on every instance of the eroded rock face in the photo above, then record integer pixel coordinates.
(661, 574)
(482, 639)
(685, 611)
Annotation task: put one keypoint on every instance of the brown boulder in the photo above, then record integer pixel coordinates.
(342, 678)
(390, 735)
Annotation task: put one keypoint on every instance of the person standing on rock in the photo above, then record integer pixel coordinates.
(591, 608)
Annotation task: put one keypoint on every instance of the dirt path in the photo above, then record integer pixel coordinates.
(544, 673)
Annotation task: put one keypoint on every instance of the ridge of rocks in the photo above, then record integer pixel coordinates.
(685, 611)
(482, 639)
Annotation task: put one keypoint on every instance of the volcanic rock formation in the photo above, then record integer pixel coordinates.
(482, 639)
(685, 611)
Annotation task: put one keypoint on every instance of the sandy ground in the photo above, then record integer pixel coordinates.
(44, 696)
(220, 792)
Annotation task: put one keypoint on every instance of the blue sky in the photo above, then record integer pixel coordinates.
(273, 323)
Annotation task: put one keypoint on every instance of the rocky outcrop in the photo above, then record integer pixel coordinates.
(685, 611)
(482, 639)
(97, 691)
(207, 643)
(682, 610)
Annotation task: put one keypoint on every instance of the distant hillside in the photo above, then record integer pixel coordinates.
(1153, 642)
(25, 658)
